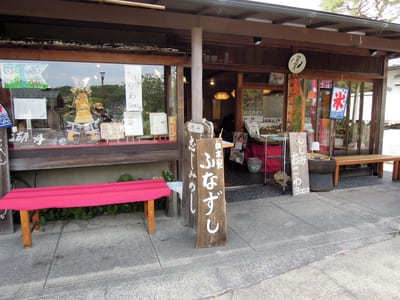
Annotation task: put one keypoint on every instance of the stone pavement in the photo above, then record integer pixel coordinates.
(372, 272)
(113, 257)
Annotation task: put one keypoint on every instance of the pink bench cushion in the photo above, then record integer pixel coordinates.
(85, 195)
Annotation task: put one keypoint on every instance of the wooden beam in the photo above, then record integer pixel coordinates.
(352, 28)
(245, 15)
(203, 10)
(181, 117)
(284, 20)
(87, 56)
(163, 19)
(321, 24)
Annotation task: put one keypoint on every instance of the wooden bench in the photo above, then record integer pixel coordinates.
(367, 159)
(33, 199)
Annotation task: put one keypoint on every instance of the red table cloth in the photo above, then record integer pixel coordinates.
(84, 195)
(258, 150)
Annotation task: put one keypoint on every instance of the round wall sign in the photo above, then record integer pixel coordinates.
(297, 63)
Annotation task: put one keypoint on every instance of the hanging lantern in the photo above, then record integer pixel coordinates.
(221, 96)
(266, 92)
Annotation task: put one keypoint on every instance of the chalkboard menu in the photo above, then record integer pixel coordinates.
(299, 162)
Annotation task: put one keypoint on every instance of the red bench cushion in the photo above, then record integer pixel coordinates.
(85, 195)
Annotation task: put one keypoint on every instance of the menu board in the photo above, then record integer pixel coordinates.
(299, 162)
(133, 123)
(158, 124)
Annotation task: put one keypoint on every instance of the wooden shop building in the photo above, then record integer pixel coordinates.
(100, 88)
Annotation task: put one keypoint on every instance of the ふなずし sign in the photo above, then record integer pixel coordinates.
(299, 163)
(211, 205)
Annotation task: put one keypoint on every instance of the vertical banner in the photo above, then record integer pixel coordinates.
(338, 103)
(299, 163)
(133, 87)
(211, 205)
(296, 105)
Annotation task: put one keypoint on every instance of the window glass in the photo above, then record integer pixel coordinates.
(354, 114)
(72, 103)
(366, 115)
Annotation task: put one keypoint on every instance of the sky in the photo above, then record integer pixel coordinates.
(308, 4)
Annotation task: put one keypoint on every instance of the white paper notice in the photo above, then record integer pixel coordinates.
(133, 123)
(30, 109)
(133, 87)
(158, 124)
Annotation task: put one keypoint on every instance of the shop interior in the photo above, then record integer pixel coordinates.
(258, 157)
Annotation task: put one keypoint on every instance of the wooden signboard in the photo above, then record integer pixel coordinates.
(6, 222)
(211, 205)
(193, 132)
(299, 162)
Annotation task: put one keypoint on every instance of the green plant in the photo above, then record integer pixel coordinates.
(167, 175)
(86, 213)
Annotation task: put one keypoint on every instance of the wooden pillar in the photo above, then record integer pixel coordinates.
(285, 103)
(197, 74)
(239, 103)
(6, 222)
(380, 108)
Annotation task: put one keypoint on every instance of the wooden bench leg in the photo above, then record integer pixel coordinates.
(380, 169)
(336, 177)
(150, 216)
(146, 210)
(25, 228)
(396, 171)
(36, 220)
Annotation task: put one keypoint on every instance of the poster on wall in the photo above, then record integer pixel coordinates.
(338, 102)
(30, 108)
(158, 124)
(133, 123)
(23, 75)
(133, 87)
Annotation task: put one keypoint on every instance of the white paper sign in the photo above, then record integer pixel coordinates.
(112, 131)
(30, 109)
(133, 87)
(195, 127)
(133, 123)
(158, 124)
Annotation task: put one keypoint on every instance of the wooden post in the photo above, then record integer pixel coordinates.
(36, 220)
(396, 169)
(380, 109)
(150, 216)
(197, 74)
(239, 103)
(6, 222)
(360, 117)
(25, 228)
(285, 103)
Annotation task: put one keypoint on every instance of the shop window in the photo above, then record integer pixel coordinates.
(366, 116)
(64, 104)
